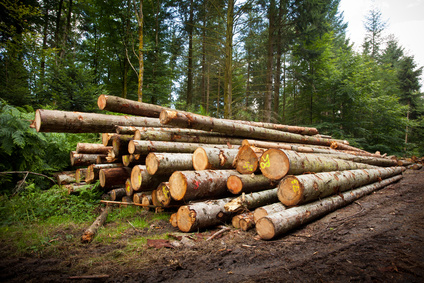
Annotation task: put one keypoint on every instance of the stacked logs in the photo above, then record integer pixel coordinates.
(216, 170)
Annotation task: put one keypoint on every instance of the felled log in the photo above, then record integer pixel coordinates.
(130, 160)
(117, 194)
(141, 180)
(167, 163)
(247, 159)
(194, 121)
(120, 144)
(65, 177)
(75, 188)
(253, 200)
(294, 190)
(143, 198)
(173, 220)
(127, 106)
(275, 163)
(80, 174)
(276, 224)
(377, 161)
(92, 148)
(214, 158)
(126, 200)
(247, 222)
(191, 185)
(145, 147)
(164, 196)
(80, 122)
(89, 234)
(415, 166)
(236, 219)
(139, 132)
(267, 210)
(238, 184)
(82, 159)
(111, 177)
(128, 188)
(93, 171)
(107, 138)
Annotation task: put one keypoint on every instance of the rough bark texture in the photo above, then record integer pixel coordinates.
(191, 185)
(126, 106)
(82, 159)
(167, 163)
(279, 223)
(114, 176)
(144, 147)
(94, 169)
(89, 234)
(120, 144)
(213, 158)
(117, 194)
(92, 148)
(267, 210)
(190, 120)
(79, 122)
(294, 190)
(247, 159)
(253, 200)
(275, 163)
(238, 184)
(141, 180)
(65, 177)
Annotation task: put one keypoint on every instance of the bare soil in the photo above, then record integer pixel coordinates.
(379, 238)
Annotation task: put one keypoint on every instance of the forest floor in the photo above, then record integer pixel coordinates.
(379, 238)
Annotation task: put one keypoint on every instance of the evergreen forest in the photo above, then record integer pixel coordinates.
(281, 61)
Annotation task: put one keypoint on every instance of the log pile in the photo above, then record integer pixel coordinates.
(213, 171)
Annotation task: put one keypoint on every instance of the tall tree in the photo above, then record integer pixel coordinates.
(374, 27)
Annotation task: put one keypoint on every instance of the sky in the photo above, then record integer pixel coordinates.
(405, 20)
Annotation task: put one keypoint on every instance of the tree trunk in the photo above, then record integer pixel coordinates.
(279, 223)
(94, 169)
(133, 159)
(167, 163)
(92, 148)
(270, 59)
(247, 222)
(252, 200)
(144, 198)
(191, 185)
(89, 234)
(145, 147)
(213, 158)
(79, 122)
(236, 219)
(127, 106)
(248, 183)
(114, 176)
(82, 159)
(141, 180)
(140, 19)
(247, 159)
(117, 194)
(173, 220)
(145, 132)
(228, 69)
(75, 188)
(200, 122)
(294, 190)
(267, 210)
(275, 163)
(164, 196)
(80, 174)
(66, 177)
(107, 139)
(120, 144)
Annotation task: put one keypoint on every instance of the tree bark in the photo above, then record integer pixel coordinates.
(167, 163)
(67, 177)
(114, 176)
(267, 210)
(127, 106)
(80, 122)
(89, 234)
(117, 194)
(92, 148)
(228, 69)
(213, 158)
(191, 185)
(82, 159)
(94, 169)
(279, 223)
(294, 190)
(145, 147)
(253, 200)
(275, 164)
(248, 183)
(120, 144)
(75, 188)
(141, 180)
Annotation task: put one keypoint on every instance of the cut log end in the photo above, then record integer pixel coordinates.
(128, 188)
(200, 159)
(136, 177)
(290, 191)
(166, 116)
(101, 101)
(37, 120)
(265, 228)
(186, 219)
(102, 178)
(234, 184)
(259, 213)
(131, 147)
(177, 185)
(246, 160)
(274, 164)
(152, 164)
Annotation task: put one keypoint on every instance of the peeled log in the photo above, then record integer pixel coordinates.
(294, 190)
(141, 180)
(114, 176)
(190, 185)
(92, 148)
(144, 147)
(167, 163)
(238, 184)
(195, 121)
(267, 210)
(213, 158)
(82, 159)
(253, 200)
(80, 122)
(275, 164)
(279, 223)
